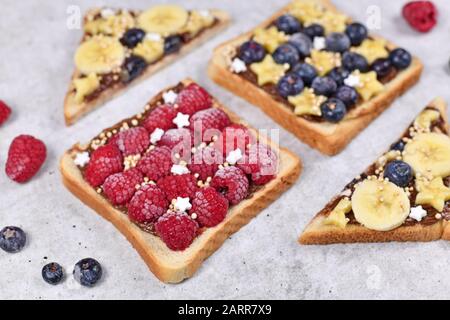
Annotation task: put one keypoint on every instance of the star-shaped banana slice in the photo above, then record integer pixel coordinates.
(85, 86)
(425, 119)
(307, 103)
(372, 49)
(150, 50)
(433, 193)
(114, 24)
(270, 38)
(306, 11)
(197, 21)
(337, 216)
(268, 71)
(333, 22)
(367, 85)
(324, 61)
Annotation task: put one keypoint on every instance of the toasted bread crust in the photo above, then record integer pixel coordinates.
(170, 266)
(74, 111)
(328, 138)
(318, 233)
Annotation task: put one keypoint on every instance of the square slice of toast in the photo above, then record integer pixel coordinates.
(327, 137)
(421, 220)
(111, 83)
(175, 266)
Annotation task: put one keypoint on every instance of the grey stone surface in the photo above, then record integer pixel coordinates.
(263, 260)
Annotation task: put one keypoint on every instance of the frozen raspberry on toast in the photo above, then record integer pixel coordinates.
(174, 208)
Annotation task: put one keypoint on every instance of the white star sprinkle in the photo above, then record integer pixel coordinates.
(182, 204)
(156, 135)
(181, 120)
(234, 156)
(418, 213)
(81, 159)
(170, 97)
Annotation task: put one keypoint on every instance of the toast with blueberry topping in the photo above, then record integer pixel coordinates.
(179, 178)
(403, 196)
(122, 47)
(319, 74)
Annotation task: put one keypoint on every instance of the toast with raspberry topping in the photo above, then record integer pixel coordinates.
(316, 72)
(122, 47)
(178, 202)
(403, 196)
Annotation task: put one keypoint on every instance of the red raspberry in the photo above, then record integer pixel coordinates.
(156, 163)
(175, 186)
(105, 161)
(208, 123)
(5, 112)
(193, 98)
(235, 136)
(421, 15)
(25, 157)
(210, 206)
(120, 187)
(173, 137)
(205, 162)
(260, 162)
(161, 118)
(148, 204)
(177, 230)
(232, 183)
(132, 141)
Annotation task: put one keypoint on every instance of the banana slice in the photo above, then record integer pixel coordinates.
(85, 86)
(150, 50)
(426, 118)
(429, 154)
(99, 55)
(380, 205)
(163, 19)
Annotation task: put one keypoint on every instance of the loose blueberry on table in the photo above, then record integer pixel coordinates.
(87, 272)
(12, 239)
(52, 273)
(329, 54)
(178, 167)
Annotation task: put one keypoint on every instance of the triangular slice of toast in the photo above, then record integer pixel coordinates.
(121, 47)
(169, 265)
(411, 206)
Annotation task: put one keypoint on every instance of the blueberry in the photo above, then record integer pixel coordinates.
(52, 273)
(303, 44)
(354, 61)
(306, 71)
(399, 145)
(324, 86)
(172, 44)
(288, 24)
(251, 51)
(333, 110)
(400, 58)
(87, 272)
(290, 85)
(398, 172)
(12, 239)
(132, 37)
(357, 33)
(347, 95)
(337, 42)
(338, 75)
(133, 67)
(314, 30)
(382, 67)
(286, 53)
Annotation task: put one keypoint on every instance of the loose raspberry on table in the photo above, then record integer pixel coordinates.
(184, 186)
(193, 98)
(177, 230)
(208, 123)
(105, 161)
(235, 136)
(232, 183)
(25, 157)
(260, 162)
(148, 204)
(120, 187)
(156, 163)
(132, 141)
(205, 162)
(5, 112)
(421, 15)
(210, 207)
(161, 117)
